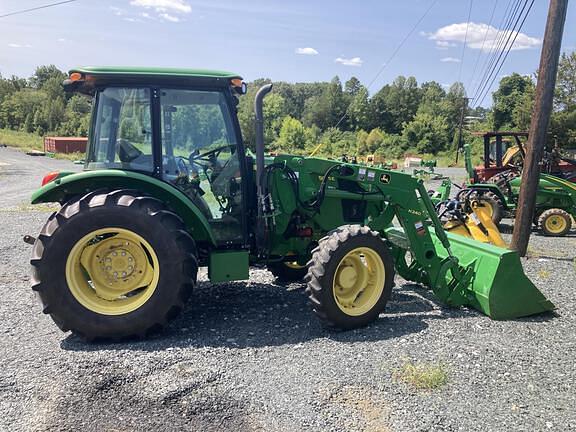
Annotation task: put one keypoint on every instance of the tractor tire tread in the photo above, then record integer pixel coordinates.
(552, 212)
(156, 210)
(317, 274)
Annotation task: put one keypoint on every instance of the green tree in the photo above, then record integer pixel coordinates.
(45, 73)
(403, 101)
(326, 110)
(427, 133)
(565, 93)
(292, 135)
(353, 86)
(359, 110)
(374, 140)
(512, 91)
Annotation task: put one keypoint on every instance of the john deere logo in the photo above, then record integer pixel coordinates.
(385, 178)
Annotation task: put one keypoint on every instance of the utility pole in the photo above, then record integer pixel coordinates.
(539, 124)
(462, 112)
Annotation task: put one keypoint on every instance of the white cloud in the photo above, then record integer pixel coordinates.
(306, 51)
(448, 35)
(450, 60)
(354, 61)
(15, 45)
(169, 17)
(117, 11)
(443, 45)
(175, 6)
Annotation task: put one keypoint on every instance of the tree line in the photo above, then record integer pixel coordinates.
(402, 117)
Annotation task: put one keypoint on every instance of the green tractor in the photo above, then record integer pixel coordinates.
(555, 199)
(169, 186)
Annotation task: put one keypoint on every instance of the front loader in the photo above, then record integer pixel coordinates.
(169, 187)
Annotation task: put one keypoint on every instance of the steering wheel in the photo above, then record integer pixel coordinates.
(208, 156)
(182, 167)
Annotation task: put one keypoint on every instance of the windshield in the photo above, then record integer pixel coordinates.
(122, 134)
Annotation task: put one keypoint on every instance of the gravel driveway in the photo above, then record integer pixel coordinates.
(250, 356)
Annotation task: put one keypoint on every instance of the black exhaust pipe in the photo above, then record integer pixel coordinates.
(259, 124)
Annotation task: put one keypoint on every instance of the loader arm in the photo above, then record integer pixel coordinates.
(459, 272)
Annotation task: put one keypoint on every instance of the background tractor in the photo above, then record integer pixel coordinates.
(169, 186)
(504, 152)
(555, 199)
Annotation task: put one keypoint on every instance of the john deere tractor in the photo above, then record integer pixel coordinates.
(555, 198)
(169, 186)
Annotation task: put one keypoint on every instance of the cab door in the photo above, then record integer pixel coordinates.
(202, 157)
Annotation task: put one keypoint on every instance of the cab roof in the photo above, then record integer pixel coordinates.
(93, 76)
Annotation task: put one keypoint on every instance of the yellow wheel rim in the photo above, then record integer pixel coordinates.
(359, 281)
(294, 265)
(555, 224)
(112, 271)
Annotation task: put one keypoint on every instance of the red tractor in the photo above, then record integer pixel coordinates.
(504, 151)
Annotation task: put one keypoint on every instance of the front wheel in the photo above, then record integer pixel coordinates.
(350, 277)
(555, 222)
(113, 265)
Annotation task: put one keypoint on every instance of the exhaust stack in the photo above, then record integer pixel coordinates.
(259, 125)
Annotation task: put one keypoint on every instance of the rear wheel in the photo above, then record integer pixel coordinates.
(113, 265)
(288, 271)
(350, 277)
(555, 222)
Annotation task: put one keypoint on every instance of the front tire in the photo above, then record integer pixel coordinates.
(113, 265)
(350, 277)
(555, 222)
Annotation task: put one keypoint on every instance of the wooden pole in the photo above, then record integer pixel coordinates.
(539, 124)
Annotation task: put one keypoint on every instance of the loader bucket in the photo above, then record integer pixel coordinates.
(499, 288)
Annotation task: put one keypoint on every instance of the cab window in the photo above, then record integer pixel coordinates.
(122, 136)
(200, 155)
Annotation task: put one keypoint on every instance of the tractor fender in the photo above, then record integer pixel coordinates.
(485, 187)
(64, 188)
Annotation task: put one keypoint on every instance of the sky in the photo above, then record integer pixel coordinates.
(295, 41)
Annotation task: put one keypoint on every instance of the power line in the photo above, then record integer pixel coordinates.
(36, 8)
(507, 52)
(497, 42)
(497, 66)
(400, 45)
(465, 41)
(483, 43)
(497, 45)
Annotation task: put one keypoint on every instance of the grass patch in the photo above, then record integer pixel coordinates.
(26, 142)
(21, 140)
(423, 376)
(543, 274)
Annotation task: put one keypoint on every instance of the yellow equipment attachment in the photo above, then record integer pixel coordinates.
(476, 223)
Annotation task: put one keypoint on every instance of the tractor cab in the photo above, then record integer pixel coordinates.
(178, 127)
(502, 151)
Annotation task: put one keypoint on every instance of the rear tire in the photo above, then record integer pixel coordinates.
(350, 277)
(91, 261)
(287, 271)
(555, 222)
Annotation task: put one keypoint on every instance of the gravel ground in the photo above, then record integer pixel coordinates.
(250, 356)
